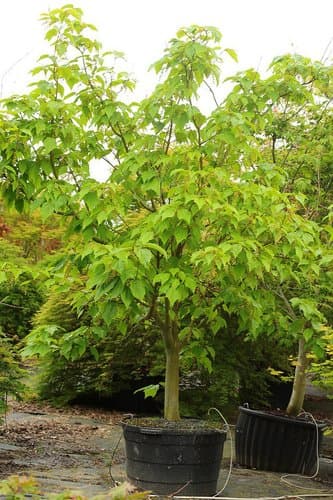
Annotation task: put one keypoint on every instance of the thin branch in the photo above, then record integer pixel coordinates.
(53, 167)
(167, 333)
(8, 70)
(76, 182)
(2, 303)
(108, 162)
(290, 310)
(117, 133)
(322, 59)
(212, 92)
(169, 137)
(273, 148)
(196, 125)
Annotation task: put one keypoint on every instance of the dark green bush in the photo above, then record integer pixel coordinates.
(20, 294)
(112, 363)
(126, 362)
(11, 373)
(240, 374)
(20, 299)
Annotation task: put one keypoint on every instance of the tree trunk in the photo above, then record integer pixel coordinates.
(171, 395)
(297, 396)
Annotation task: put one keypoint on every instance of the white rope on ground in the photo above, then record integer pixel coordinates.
(231, 449)
(284, 479)
(283, 497)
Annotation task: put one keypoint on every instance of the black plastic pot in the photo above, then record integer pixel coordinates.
(277, 443)
(168, 460)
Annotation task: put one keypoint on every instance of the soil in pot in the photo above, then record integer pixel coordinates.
(173, 457)
(274, 442)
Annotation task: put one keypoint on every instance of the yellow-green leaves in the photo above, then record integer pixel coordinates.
(49, 144)
(189, 59)
(200, 215)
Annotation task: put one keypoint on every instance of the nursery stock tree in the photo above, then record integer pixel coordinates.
(194, 222)
(293, 113)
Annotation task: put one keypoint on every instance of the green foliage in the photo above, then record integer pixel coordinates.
(240, 373)
(201, 215)
(32, 237)
(10, 373)
(20, 299)
(114, 362)
(322, 367)
(19, 487)
(110, 363)
(10, 252)
(20, 294)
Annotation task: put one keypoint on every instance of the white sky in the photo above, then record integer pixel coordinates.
(257, 29)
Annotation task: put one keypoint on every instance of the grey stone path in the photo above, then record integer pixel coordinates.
(97, 458)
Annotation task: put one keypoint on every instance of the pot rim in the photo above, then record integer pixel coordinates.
(283, 418)
(159, 430)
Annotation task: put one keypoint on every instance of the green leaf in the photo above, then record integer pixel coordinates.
(232, 54)
(49, 144)
(190, 283)
(180, 233)
(308, 334)
(126, 297)
(116, 289)
(94, 352)
(167, 211)
(51, 33)
(184, 214)
(158, 248)
(307, 306)
(91, 199)
(138, 289)
(109, 312)
(174, 294)
(161, 278)
(149, 391)
(144, 255)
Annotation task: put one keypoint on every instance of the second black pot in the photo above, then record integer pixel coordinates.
(277, 443)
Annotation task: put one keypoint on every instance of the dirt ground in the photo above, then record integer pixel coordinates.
(74, 448)
(82, 449)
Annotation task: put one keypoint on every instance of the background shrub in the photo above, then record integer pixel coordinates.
(117, 364)
(11, 373)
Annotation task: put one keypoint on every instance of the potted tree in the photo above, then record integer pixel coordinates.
(191, 223)
(294, 106)
(137, 276)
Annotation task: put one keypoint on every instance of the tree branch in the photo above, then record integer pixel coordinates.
(212, 92)
(2, 303)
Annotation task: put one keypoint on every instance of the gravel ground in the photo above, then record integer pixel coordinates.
(82, 449)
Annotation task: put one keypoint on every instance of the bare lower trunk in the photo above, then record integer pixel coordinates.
(172, 349)
(297, 396)
(171, 395)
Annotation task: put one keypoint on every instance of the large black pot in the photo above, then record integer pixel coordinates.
(277, 443)
(167, 460)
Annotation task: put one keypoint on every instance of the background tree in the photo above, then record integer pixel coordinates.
(24, 241)
(292, 109)
(193, 221)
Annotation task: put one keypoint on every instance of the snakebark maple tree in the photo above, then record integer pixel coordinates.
(195, 221)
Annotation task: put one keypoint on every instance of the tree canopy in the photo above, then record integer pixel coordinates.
(203, 215)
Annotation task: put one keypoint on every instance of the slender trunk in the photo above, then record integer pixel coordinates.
(297, 396)
(171, 395)
(172, 349)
